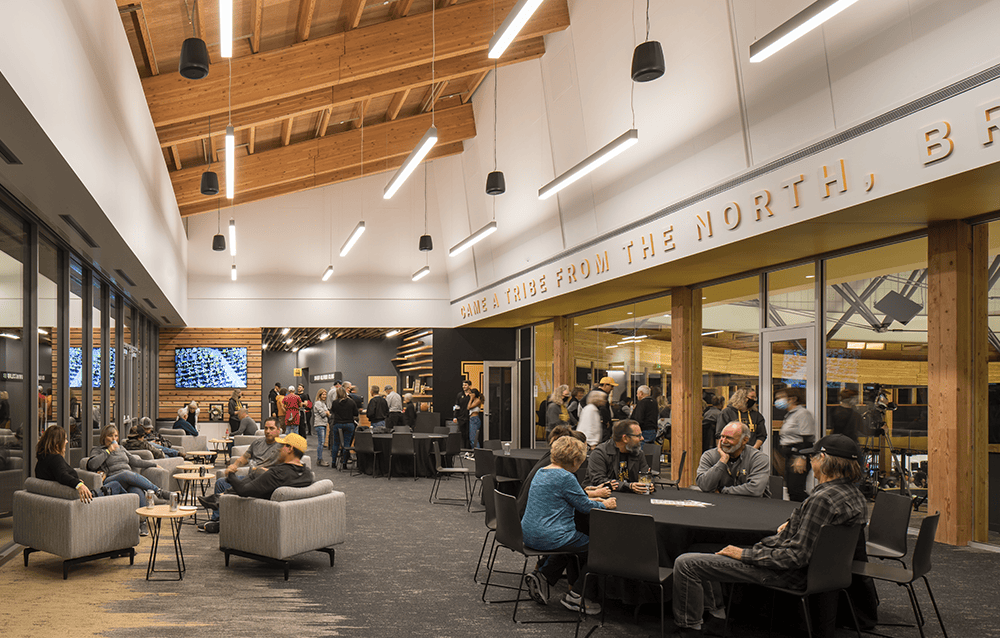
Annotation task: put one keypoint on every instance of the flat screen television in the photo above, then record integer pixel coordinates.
(76, 367)
(210, 367)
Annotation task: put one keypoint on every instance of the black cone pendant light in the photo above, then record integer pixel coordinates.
(194, 56)
(495, 183)
(219, 241)
(209, 183)
(647, 59)
(426, 243)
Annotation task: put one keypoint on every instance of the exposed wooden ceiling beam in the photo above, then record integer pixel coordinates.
(145, 44)
(401, 9)
(252, 139)
(467, 97)
(397, 103)
(444, 4)
(306, 10)
(286, 131)
(201, 19)
(378, 86)
(338, 59)
(333, 158)
(350, 14)
(358, 116)
(433, 93)
(177, 157)
(324, 122)
(257, 20)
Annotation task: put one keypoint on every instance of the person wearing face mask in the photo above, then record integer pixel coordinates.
(556, 413)
(741, 408)
(844, 418)
(798, 431)
(617, 463)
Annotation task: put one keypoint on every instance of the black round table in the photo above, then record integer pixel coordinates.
(517, 464)
(403, 465)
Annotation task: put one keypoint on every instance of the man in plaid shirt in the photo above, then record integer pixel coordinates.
(781, 559)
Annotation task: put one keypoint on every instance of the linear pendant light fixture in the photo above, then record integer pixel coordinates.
(474, 238)
(619, 145)
(355, 235)
(420, 274)
(234, 272)
(232, 237)
(226, 28)
(328, 272)
(511, 26)
(230, 161)
(413, 160)
(802, 23)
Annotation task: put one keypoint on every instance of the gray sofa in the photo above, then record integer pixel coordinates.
(184, 442)
(295, 520)
(49, 517)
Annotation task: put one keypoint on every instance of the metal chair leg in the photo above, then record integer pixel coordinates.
(933, 602)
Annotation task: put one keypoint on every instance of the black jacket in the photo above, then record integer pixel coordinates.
(263, 485)
(378, 409)
(646, 413)
(343, 411)
(53, 467)
(606, 463)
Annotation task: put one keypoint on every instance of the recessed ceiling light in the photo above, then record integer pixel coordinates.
(284, 331)
(712, 332)
(289, 340)
(324, 336)
(810, 276)
(628, 313)
(295, 349)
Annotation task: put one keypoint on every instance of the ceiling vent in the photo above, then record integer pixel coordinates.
(8, 155)
(72, 223)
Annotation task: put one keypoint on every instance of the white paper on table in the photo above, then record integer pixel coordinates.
(687, 503)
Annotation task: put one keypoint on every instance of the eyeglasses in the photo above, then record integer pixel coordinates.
(634, 436)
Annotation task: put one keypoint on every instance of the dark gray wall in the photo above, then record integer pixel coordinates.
(274, 367)
(452, 346)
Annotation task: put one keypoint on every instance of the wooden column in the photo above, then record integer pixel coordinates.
(562, 352)
(685, 381)
(957, 378)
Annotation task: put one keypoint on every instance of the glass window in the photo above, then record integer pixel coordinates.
(993, 323)
(791, 296)
(48, 319)
(13, 395)
(113, 363)
(99, 415)
(544, 357)
(876, 355)
(76, 367)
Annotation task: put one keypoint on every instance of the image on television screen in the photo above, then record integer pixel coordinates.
(76, 367)
(211, 367)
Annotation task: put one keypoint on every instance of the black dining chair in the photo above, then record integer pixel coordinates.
(776, 485)
(680, 470)
(440, 429)
(829, 569)
(509, 535)
(488, 460)
(402, 445)
(493, 444)
(441, 472)
(364, 443)
(905, 577)
(637, 559)
(453, 447)
(491, 528)
(887, 529)
(345, 448)
(483, 468)
(402, 429)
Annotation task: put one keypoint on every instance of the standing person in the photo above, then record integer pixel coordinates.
(280, 408)
(461, 409)
(556, 413)
(844, 418)
(234, 408)
(742, 408)
(292, 404)
(344, 411)
(409, 411)
(646, 413)
(377, 410)
(193, 413)
(272, 399)
(798, 432)
(321, 419)
(590, 420)
(606, 385)
(395, 403)
(709, 420)
(352, 394)
(475, 416)
(305, 410)
(576, 403)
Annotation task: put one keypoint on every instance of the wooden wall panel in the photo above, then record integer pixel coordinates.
(171, 397)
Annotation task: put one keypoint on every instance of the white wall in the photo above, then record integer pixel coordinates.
(69, 63)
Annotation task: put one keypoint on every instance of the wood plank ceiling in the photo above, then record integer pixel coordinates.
(307, 75)
(275, 340)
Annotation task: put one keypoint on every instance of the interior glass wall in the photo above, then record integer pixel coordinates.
(544, 357)
(114, 362)
(993, 359)
(92, 361)
(13, 389)
(48, 320)
(78, 424)
(876, 358)
(791, 296)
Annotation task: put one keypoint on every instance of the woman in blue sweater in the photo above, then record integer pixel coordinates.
(548, 523)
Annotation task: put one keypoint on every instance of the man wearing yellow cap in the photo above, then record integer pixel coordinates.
(287, 471)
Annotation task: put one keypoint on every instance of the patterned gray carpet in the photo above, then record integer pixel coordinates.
(406, 570)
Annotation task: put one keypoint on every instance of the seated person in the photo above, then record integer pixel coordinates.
(549, 524)
(733, 467)
(182, 423)
(52, 466)
(288, 471)
(117, 465)
(780, 560)
(262, 454)
(248, 427)
(618, 461)
(557, 433)
(156, 440)
(135, 442)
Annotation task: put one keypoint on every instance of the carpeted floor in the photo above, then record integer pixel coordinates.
(406, 570)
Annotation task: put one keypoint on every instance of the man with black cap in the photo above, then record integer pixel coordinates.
(781, 559)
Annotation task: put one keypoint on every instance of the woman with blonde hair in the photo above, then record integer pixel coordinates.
(556, 412)
(741, 408)
(234, 408)
(321, 419)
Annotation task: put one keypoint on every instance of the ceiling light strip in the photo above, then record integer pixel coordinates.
(802, 23)
(511, 26)
(355, 235)
(230, 162)
(474, 238)
(328, 272)
(420, 274)
(411, 162)
(624, 141)
(226, 28)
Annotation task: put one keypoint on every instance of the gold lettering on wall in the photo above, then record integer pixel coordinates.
(532, 288)
(496, 301)
(541, 284)
(628, 249)
(731, 215)
(704, 223)
(571, 274)
(792, 186)
(648, 251)
(828, 178)
(869, 182)
(602, 264)
(935, 142)
(989, 116)
(668, 239)
(559, 278)
(762, 202)
(585, 268)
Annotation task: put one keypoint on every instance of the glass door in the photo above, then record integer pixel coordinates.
(501, 416)
(789, 360)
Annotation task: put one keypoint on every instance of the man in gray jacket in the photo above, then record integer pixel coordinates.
(733, 467)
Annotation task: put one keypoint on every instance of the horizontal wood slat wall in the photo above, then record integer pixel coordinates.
(171, 397)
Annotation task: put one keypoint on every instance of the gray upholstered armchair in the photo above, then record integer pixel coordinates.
(295, 520)
(49, 517)
(184, 442)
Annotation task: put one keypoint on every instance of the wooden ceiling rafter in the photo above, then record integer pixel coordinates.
(257, 22)
(307, 8)
(396, 104)
(401, 9)
(350, 14)
(473, 85)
